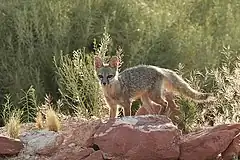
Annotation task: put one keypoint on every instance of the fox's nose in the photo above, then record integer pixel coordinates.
(104, 83)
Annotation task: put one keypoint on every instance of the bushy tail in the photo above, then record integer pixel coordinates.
(183, 87)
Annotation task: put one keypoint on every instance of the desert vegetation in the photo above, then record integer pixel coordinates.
(47, 48)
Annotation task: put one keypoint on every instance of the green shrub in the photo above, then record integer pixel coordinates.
(224, 82)
(163, 33)
(78, 84)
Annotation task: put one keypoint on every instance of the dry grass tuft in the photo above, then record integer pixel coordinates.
(52, 121)
(13, 125)
(39, 120)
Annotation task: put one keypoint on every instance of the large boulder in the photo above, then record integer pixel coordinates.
(209, 143)
(139, 137)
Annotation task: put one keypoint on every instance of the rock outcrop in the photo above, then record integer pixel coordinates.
(139, 138)
(209, 143)
(127, 138)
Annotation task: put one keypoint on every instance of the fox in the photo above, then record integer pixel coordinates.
(145, 82)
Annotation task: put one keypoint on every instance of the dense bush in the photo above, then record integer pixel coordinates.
(163, 33)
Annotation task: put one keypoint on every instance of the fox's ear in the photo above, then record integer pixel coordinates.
(98, 62)
(114, 62)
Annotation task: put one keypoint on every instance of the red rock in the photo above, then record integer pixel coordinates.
(72, 154)
(79, 133)
(233, 150)
(139, 138)
(117, 158)
(208, 143)
(98, 155)
(76, 135)
(10, 146)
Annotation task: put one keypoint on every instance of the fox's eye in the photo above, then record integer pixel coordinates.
(100, 76)
(109, 76)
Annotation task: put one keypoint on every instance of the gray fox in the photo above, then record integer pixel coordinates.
(145, 82)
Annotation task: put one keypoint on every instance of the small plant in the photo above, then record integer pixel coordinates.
(52, 121)
(39, 120)
(28, 103)
(7, 109)
(13, 124)
(47, 116)
(11, 117)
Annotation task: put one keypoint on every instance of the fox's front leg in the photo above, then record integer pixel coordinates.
(113, 111)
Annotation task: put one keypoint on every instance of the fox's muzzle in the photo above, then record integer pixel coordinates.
(105, 81)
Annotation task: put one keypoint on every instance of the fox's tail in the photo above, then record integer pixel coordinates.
(183, 87)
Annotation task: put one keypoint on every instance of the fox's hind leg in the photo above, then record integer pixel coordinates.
(157, 96)
(148, 104)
